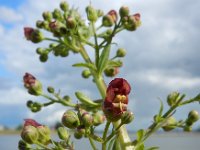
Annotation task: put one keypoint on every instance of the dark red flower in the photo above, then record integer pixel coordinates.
(29, 80)
(116, 99)
(137, 16)
(31, 122)
(28, 32)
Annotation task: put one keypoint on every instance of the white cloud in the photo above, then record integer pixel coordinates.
(9, 15)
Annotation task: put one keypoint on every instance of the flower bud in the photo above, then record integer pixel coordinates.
(78, 135)
(22, 145)
(111, 71)
(107, 21)
(193, 116)
(43, 58)
(40, 51)
(70, 119)
(50, 89)
(172, 98)
(170, 124)
(87, 119)
(67, 98)
(57, 28)
(33, 35)
(124, 11)
(113, 14)
(39, 24)
(86, 74)
(121, 52)
(187, 128)
(57, 14)
(127, 117)
(91, 14)
(100, 13)
(32, 84)
(71, 23)
(98, 119)
(47, 16)
(63, 133)
(29, 134)
(64, 6)
(29, 103)
(133, 22)
(44, 134)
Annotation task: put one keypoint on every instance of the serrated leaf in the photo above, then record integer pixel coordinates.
(153, 148)
(140, 134)
(103, 60)
(86, 65)
(112, 63)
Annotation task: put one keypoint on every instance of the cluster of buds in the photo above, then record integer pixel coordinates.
(33, 86)
(115, 103)
(34, 106)
(81, 121)
(34, 132)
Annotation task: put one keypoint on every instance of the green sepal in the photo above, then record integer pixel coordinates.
(86, 100)
(112, 63)
(103, 60)
(140, 133)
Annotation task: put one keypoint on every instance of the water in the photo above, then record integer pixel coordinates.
(172, 141)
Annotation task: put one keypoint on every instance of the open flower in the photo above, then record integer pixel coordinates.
(116, 99)
(32, 84)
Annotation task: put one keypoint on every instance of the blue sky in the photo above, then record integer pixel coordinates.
(163, 56)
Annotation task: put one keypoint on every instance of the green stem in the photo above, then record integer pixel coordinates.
(53, 40)
(92, 144)
(105, 134)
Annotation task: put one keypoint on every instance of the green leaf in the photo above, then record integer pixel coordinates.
(153, 148)
(86, 100)
(103, 60)
(140, 134)
(86, 65)
(112, 63)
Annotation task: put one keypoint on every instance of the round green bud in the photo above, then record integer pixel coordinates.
(70, 119)
(44, 135)
(98, 119)
(127, 117)
(39, 24)
(87, 119)
(107, 21)
(172, 98)
(64, 6)
(92, 14)
(187, 128)
(62, 133)
(121, 52)
(29, 134)
(43, 58)
(39, 51)
(36, 107)
(170, 124)
(124, 11)
(53, 45)
(37, 36)
(71, 22)
(50, 89)
(29, 103)
(78, 135)
(67, 98)
(47, 16)
(86, 74)
(193, 116)
(57, 14)
(111, 72)
(64, 53)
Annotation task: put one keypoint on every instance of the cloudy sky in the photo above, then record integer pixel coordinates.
(163, 56)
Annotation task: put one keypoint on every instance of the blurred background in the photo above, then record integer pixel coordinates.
(162, 56)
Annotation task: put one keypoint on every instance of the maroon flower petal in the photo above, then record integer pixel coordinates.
(31, 122)
(27, 32)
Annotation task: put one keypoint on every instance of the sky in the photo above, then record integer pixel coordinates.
(162, 56)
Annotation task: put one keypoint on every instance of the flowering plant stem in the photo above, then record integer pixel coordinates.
(124, 138)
